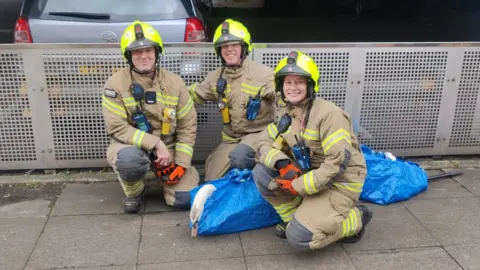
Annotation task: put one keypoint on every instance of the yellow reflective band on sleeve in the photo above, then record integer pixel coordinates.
(311, 134)
(185, 148)
(353, 187)
(269, 159)
(138, 137)
(171, 146)
(272, 130)
(350, 224)
(335, 137)
(167, 100)
(227, 138)
(250, 89)
(287, 210)
(114, 108)
(309, 183)
(186, 109)
(130, 102)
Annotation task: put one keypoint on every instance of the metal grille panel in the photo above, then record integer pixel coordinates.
(466, 122)
(16, 130)
(401, 99)
(333, 72)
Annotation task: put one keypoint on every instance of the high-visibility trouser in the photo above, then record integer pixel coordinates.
(132, 164)
(314, 221)
(231, 153)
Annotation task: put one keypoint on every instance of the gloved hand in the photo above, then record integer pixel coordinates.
(286, 185)
(176, 175)
(173, 173)
(288, 170)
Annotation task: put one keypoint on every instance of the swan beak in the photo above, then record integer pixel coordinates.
(194, 230)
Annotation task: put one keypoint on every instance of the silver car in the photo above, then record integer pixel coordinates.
(97, 21)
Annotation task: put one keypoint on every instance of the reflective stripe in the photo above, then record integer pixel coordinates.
(186, 109)
(353, 187)
(272, 130)
(185, 148)
(138, 137)
(311, 134)
(269, 158)
(194, 95)
(228, 138)
(250, 89)
(336, 137)
(171, 146)
(114, 108)
(167, 100)
(309, 183)
(350, 224)
(130, 102)
(287, 210)
(132, 190)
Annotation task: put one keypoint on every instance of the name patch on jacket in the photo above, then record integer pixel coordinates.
(110, 93)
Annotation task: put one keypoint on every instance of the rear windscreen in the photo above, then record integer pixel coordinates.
(117, 10)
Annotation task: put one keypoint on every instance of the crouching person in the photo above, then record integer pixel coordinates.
(150, 116)
(311, 168)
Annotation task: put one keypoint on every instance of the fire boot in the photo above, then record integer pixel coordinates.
(281, 230)
(366, 217)
(133, 205)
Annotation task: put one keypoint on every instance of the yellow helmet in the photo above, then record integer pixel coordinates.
(140, 35)
(232, 31)
(297, 63)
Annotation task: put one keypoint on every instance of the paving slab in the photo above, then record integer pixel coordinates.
(34, 208)
(470, 179)
(87, 241)
(227, 264)
(468, 256)
(392, 226)
(319, 259)
(433, 258)
(124, 267)
(451, 221)
(93, 198)
(166, 238)
(443, 188)
(265, 242)
(18, 237)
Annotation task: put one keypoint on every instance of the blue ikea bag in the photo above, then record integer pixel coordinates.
(389, 181)
(235, 206)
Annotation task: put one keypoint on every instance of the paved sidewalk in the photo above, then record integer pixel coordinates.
(86, 228)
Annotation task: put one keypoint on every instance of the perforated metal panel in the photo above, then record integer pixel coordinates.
(16, 130)
(333, 71)
(401, 99)
(466, 122)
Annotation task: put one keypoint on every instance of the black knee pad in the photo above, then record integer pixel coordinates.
(242, 157)
(298, 236)
(132, 163)
(262, 177)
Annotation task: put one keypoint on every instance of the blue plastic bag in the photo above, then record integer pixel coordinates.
(389, 181)
(235, 206)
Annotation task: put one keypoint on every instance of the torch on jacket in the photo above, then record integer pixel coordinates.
(170, 92)
(336, 159)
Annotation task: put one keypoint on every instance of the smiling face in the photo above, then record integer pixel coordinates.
(295, 88)
(144, 59)
(231, 53)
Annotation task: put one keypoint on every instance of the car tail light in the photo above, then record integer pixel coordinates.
(22, 31)
(194, 31)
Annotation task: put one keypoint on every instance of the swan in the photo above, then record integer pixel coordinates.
(196, 210)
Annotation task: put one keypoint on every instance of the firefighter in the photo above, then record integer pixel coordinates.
(152, 121)
(311, 168)
(245, 95)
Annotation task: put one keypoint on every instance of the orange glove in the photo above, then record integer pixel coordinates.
(176, 175)
(286, 185)
(162, 171)
(289, 172)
